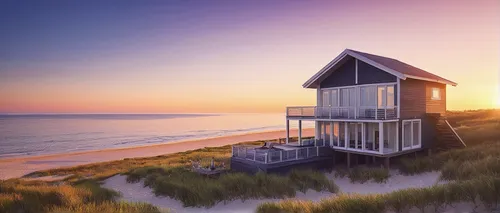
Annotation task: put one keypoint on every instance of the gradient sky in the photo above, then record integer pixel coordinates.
(230, 56)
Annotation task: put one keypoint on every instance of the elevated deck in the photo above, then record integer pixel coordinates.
(279, 158)
(341, 113)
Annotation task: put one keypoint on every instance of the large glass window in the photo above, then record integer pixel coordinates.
(352, 135)
(344, 97)
(411, 134)
(342, 136)
(382, 96)
(407, 135)
(390, 139)
(368, 96)
(352, 97)
(335, 134)
(326, 98)
(334, 98)
(390, 96)
(371, 136)
(416, 133)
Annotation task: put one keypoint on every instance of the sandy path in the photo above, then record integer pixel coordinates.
(136, 192)
(16, 167)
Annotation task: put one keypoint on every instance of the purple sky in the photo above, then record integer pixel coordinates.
(229, 56)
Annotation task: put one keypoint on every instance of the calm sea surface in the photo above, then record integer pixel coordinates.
(27, 135)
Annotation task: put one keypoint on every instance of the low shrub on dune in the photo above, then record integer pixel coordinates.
(193, 189)
(108, 207)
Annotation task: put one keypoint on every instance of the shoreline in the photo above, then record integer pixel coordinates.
(19, 166)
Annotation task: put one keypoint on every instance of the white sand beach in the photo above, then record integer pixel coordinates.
(17, 167)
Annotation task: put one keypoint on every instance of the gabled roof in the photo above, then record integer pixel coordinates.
(397, 68)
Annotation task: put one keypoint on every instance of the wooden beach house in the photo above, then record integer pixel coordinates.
(370, 105)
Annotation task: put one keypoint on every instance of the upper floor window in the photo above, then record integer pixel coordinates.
(347, 97)
(326, 98)
(368, 96)
(436, 94)
(385, 96)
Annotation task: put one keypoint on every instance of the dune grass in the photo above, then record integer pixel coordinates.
(461, 164)
(81, 192)
(483, 191)
(476, 126)
(195, 190)
(41, 197)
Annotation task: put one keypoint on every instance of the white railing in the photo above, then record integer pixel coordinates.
(273, 155)
(304, 111)
(343, 112)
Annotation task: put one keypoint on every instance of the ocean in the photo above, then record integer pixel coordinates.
(23, 135)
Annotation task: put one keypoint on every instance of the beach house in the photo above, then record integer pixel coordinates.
(370, 105)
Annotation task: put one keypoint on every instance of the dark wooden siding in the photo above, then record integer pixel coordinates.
(413, 94)
(368, 74)
(416, 98)
(416, 102)
(345, 75)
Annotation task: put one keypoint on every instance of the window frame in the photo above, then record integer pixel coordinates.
(412, 122)
(438, 93)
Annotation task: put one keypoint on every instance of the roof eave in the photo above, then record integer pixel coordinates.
(315, 77)
(433, 80)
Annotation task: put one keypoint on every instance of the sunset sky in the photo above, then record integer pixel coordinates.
(230, 56)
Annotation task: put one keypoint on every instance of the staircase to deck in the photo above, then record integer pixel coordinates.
(446, 136)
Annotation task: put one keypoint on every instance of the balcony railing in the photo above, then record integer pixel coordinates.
(343, 112)
(268, 156)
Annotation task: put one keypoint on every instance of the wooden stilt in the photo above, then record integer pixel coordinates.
(334, 156)
(373, 159)
(386, 162)
(348, 160)
(367, 160)
(429, 152)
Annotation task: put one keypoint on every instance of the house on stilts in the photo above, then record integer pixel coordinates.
(367, 105)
